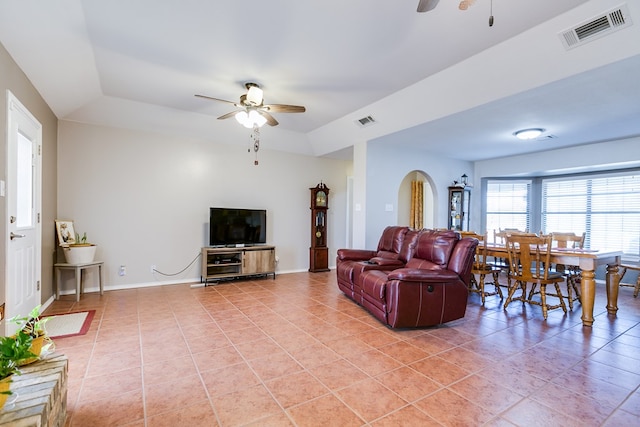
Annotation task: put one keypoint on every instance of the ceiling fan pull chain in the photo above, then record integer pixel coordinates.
(491, 14)
(256, 142)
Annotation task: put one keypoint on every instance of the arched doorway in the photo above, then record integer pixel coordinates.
(429, 199)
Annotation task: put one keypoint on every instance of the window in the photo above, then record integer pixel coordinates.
(607, 207)
(508, 205)
(24, 181)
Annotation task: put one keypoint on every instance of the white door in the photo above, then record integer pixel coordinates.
(23, 228)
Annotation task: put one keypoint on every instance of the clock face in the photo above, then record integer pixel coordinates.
(321, 198)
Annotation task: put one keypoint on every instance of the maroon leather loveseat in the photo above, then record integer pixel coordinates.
(430, 289)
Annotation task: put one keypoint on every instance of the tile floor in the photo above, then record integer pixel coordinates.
(294, 351)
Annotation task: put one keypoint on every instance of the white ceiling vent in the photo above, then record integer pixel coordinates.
(365, 121)
(597, 27)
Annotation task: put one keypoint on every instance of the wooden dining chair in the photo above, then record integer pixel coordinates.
(483, 268)
(500, 235)
(623, 271)
(529, 257)
(500, 238)
(564, 240)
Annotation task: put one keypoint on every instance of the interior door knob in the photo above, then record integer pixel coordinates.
(15, 236)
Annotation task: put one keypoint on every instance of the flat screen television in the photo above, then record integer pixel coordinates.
(230, 227)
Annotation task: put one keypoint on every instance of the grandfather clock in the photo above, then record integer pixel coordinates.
(318, 252)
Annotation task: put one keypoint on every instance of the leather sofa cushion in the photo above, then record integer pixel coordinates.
(409, 245)
(345, 271)
(381, 264)
(374, 284)
(391, 240)
(385, 261)
(422, 264)
(434, 274)
(386, 254)
(436, 246)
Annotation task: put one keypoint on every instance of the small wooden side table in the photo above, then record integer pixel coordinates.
(77, 269)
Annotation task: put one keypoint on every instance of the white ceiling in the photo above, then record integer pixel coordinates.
(443, 81)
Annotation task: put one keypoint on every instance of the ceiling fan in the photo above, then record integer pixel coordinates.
(427, 5)
(251, 109)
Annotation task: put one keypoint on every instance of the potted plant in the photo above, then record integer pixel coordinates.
(33, 326)
(13, 351)
(80, 251)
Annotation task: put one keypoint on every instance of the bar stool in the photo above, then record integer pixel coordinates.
(78, 269)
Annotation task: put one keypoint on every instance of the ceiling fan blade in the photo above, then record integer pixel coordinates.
(229, 115)
(283, 108)
(271, 121)
(427, 5)
(215, 99)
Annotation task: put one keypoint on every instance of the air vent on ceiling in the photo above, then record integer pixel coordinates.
(597, 27)
(365, 121)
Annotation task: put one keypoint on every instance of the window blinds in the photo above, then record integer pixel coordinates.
(508, 205)
(606, 207)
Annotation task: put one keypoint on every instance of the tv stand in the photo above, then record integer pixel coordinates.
(237, 262)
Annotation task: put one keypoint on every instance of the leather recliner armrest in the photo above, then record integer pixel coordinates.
(420, 275)
(355, 254)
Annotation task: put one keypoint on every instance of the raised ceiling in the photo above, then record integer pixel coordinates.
(443, 81)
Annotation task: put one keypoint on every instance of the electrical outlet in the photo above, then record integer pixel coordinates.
(122, 271)
(153, 268)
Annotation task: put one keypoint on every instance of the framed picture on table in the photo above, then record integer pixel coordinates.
(65, 232)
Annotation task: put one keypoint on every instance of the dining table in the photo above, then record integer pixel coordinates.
(587, 260)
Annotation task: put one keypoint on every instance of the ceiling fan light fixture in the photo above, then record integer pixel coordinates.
(242, 117)
(250, 118)
(531, 133)
(254, 95)
(257, 118)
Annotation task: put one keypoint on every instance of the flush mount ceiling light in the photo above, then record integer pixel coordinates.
(532, 133)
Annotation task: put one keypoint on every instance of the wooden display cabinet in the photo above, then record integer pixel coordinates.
(459, 208)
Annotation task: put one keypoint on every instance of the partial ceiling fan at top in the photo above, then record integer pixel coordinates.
(427, 5)
(252, 112)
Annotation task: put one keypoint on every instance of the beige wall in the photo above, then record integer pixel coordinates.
(13, 79)
(144, 198)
